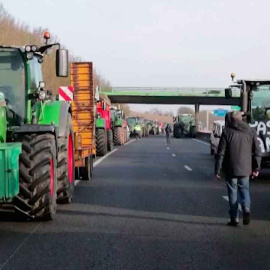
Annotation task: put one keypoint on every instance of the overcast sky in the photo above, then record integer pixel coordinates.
(160, 43)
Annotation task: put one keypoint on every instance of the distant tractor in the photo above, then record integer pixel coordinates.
(119, 126)
(184, 126)
(104, 133)
(153, 130)
(132, 123)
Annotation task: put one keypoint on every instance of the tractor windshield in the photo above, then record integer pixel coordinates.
(131, 121)
(260, 103)
(12, 83)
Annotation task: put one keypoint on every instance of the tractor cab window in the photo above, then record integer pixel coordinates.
(260, 104)
(12, 84)
(35, 73)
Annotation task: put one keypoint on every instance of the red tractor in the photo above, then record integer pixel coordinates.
(104, 134)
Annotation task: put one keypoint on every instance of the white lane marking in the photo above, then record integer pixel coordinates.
(168, 148)
(130, 142)
(16, 250)
(76, 182)
(188, 168)
(174, 155)
(201, 142)
(101, 159)
(226, 198)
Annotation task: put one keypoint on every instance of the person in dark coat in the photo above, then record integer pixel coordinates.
(239, 157)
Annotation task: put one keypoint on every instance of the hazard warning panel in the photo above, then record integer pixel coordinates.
(65, 93)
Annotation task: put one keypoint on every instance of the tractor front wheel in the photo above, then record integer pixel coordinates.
(66, 165)
(86, 173)
(110, 140)
(118, 136)
(38, 178)
(101, 140)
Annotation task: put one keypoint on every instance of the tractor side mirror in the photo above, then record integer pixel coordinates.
(228, 93)
(61, 63)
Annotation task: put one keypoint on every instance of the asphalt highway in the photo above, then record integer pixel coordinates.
(150, 206)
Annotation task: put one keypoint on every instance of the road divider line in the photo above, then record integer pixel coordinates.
(174, 155)
(188, 168)
(130, 142)
(226, 198)
(101, 159)
(17, 249)
(96, 163)
(168, 148)
(201, 142)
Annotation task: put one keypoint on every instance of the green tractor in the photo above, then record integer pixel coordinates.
(132, 123)
(119, 126)
(36, 135)
(184, 126)
(104, 133)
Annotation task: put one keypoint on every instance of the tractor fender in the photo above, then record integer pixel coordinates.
(37, 128)
(65, 109)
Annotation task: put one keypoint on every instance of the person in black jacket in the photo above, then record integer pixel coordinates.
(239, 156)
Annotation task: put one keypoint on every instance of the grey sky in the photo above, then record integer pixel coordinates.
(160, 43)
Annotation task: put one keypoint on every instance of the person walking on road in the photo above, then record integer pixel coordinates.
(168, 131)
(239, 155)
(137, 130)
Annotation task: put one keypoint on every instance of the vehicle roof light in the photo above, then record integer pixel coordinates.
(28, 48)
(47, 35)
(30, 55)
(34, 48)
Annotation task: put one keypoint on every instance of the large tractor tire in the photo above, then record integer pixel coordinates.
(86, 173)
(118, 136)
(101, 141)
(125, 135)
(110, 140)
(38, 178)
(66, 165)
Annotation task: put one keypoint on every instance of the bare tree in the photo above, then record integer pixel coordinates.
(13, 32)
(185, 110)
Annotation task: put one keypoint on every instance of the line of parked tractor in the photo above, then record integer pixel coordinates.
(114, 128)
(46, 141)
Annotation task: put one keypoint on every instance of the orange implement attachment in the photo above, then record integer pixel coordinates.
(83, 110)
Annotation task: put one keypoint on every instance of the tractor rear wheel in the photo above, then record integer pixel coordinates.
(123, 135)
(66, 165)
(101, 140)
(110, 140)
(117, 138)
(86, 173)
(38, 178)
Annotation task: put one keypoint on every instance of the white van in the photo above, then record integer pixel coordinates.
(218, 127)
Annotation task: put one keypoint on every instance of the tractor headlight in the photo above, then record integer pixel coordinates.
(30, 55)
(41, 95)
(28, 48)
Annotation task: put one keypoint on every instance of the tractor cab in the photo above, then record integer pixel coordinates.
(255, 103)
(21, 80)
(13, 83)
(254, 98)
